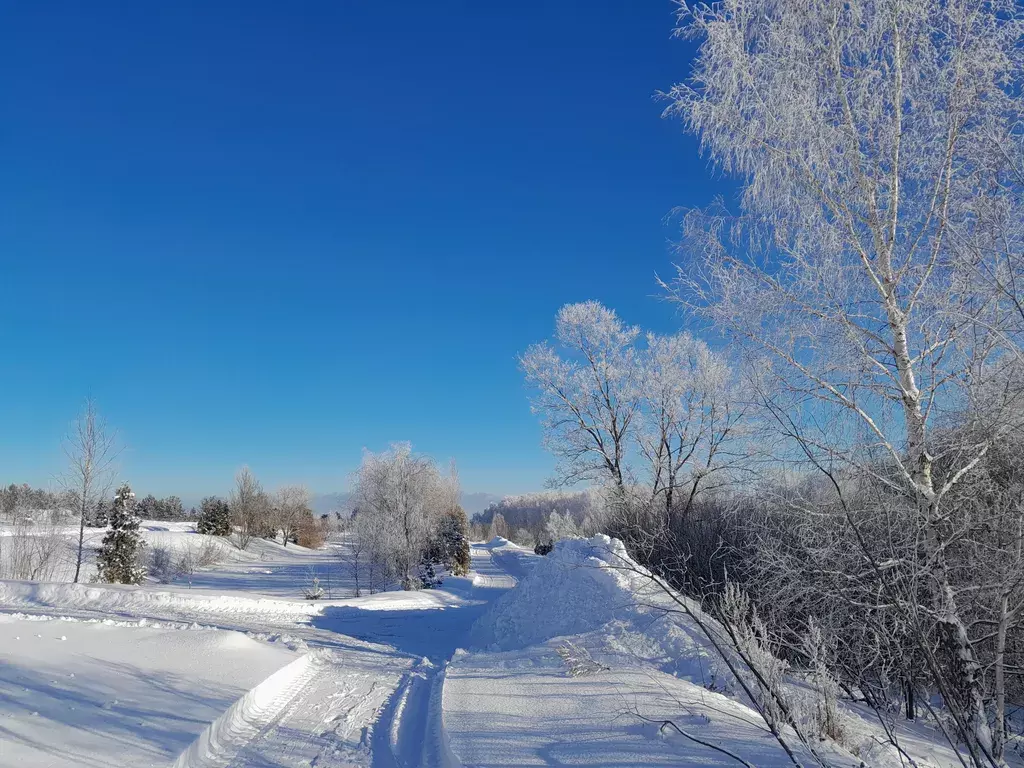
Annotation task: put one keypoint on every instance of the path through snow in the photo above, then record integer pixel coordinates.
(373, 700)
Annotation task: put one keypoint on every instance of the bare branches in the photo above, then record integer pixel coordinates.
(91, 449)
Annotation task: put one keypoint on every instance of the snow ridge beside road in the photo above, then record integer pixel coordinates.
(131, 601)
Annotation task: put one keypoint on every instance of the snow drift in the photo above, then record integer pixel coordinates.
(593, 586)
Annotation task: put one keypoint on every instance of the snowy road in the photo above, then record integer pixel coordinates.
(372, 700)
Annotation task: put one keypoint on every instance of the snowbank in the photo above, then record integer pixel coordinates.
(517, 703)
(178, 542)
(585, 585)
(113, 693)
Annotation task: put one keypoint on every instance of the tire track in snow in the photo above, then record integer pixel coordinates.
(316, 711)
(341, 710)
(244, 720)
(411, 731)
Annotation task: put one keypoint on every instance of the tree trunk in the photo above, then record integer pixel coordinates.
(999, 732)
(966, 671)
(81, 540)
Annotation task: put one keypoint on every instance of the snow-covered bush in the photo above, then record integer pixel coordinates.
(312, 590)
(31, 550)
(184, 558)
(161, 565)
(578, 661)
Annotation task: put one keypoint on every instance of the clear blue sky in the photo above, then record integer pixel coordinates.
(276, 233)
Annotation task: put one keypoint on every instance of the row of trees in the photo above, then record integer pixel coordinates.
(87, 496)
(524, 518)
(407, 521)
(23, 501)
(852, 457)
(255, 513)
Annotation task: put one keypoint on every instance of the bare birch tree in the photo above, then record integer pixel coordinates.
(250, 508)
(91, 449)
(871, 140)
(691, 419)
(291, 507)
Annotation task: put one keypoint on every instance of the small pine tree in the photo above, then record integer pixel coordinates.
(215, 517)
(452, 547)
(120, 559)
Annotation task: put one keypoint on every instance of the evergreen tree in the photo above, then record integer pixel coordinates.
(215, 517)
(451, 546)
(120, 559)
(148, 508)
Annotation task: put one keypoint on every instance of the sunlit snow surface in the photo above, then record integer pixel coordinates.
(239, 671)
(93, 694)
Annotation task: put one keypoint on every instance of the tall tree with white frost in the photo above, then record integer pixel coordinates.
(402, 495)
(870, 270)
(690, 420)
(120, 559)
(499, 526)
(91, 449)
(586, 394)
(291, 508)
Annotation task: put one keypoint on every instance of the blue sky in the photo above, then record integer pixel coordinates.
(277, 233)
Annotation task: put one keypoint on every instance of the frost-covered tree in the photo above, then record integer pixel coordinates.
(214, 517)
(868, 273)
(250, 508)
(560, 527)
(400, 496)
(530, 510)
(585, 392)
(120, 559)
(690, 420)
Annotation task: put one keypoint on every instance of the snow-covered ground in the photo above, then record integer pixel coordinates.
(345, 681)
(238, 670)
(74, 693)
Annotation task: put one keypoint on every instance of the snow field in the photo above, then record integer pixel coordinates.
(103, 694)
